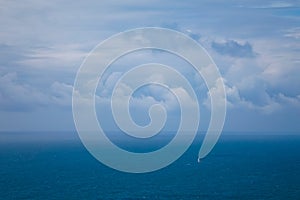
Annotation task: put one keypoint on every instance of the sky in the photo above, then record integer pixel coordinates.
(255, 44)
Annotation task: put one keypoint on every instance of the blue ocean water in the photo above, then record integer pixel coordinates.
(239, 167)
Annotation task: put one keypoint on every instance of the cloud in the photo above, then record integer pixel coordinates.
(292, 101)
(61, 94)
(11, 54)
(270, 4)
(280, 4)
(258, 99)
(234, 49)
(62, 57)
(44, 43)
(16, 95)
(175, 26)
(145, 96)
(256, 84)
(236, 101)
(106, 84)
(293, 33)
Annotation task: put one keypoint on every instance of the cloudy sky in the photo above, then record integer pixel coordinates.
(255, 44)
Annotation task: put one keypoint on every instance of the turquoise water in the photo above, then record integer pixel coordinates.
(239, 167)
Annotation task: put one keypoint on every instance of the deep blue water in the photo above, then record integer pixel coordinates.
(239, 167)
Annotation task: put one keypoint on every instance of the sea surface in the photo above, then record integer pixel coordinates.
(241, 166)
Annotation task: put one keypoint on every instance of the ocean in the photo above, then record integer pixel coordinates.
(241, 166)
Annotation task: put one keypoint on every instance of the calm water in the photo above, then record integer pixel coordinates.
(240, 167)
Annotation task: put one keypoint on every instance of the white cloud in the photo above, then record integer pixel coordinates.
(292, 101)
(281, 4)
(15, 95)
(19, 96)
(234, 49)
(61, 94)
(60, 57)
(293, 33)
(270, 4)
(50, 40)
